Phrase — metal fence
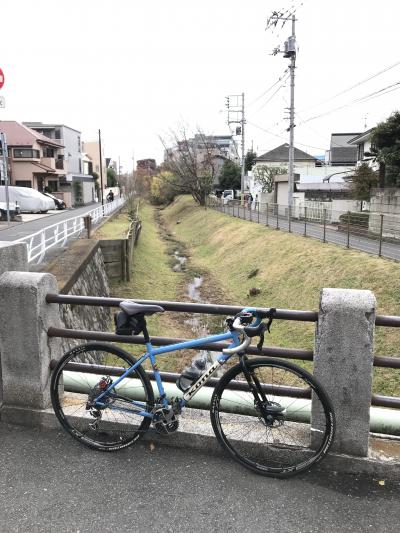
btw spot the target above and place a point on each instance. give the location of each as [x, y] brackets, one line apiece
[372, 232]
[281, 314]
[57, 235]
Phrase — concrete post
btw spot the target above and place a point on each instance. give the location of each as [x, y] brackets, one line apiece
[26, 350]
[343, 363]
[13, 256]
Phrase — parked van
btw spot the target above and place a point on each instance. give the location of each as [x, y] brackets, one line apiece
[229, 195]
[29, 200]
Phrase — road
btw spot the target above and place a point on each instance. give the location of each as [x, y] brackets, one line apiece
[51, 483]
[19, 230]
[316, 230]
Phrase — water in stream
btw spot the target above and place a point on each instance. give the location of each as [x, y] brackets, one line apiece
[197, 323]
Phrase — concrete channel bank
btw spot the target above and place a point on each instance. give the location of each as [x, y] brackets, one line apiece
[343, 359]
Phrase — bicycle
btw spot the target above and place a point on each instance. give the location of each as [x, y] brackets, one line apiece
[260, 408]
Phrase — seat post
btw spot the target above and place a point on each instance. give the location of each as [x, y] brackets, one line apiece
[145, 332]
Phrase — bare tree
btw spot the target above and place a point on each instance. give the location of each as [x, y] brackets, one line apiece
[192, 163]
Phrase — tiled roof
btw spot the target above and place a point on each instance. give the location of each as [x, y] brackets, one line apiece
[281, 154]
[20, 135]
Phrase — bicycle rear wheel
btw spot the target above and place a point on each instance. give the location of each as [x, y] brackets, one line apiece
[267, 426]
[76, 382]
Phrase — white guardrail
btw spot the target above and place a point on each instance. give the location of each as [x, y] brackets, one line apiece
[59, 234]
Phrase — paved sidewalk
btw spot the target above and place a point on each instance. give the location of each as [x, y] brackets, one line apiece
[50, 483]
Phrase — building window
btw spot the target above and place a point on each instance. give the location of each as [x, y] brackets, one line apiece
[52, 186]
[48, 152]
[26, 153]
[57, 134]
[23, 183]
[79, 143]
[80, 166]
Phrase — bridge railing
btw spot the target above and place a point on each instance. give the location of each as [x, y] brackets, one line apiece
[342, 358]
[57, 235]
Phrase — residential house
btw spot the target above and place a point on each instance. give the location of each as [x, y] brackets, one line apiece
[363, 145]
[342, 152]
[279, 157]
[33, 159]
[76, 186]
[147, 165]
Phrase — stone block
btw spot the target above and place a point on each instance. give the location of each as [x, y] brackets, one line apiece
[25, 347]
[343, 363]
[13, 256]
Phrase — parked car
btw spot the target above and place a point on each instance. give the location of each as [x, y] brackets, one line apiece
[29, 200]
[60, 204]
[13, 208]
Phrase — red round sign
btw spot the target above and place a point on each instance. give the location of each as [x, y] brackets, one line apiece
[1, 78]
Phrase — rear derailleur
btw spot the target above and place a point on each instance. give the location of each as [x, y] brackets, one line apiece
[91, 405]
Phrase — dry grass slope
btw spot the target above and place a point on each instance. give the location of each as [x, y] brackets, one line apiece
[291, 272]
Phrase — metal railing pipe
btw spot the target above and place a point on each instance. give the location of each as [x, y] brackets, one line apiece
[284, 353]
[184, 307]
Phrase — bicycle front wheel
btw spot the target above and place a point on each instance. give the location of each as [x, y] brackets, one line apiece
[264, 420]
[78, 380]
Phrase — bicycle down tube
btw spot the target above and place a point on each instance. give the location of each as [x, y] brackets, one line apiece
[152, 353]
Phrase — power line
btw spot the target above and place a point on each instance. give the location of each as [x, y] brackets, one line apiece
[267, 91]
[386, 69]
[272, 96]
[284, 138]
[364, 98]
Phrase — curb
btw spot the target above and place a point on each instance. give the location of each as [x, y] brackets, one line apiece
[195, 432]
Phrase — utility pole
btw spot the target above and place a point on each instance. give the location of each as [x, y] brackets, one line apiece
[236, 109]
[289, 52]
[4, 148]
[243, 157]
[101, 170]
[291, 118]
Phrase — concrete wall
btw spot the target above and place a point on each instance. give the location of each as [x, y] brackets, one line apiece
[81, 271]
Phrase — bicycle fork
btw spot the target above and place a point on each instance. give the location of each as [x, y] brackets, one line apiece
[270, 411]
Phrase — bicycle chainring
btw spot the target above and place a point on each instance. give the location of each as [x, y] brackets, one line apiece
[165, 421]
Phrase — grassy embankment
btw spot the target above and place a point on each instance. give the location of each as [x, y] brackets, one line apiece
[291, 272]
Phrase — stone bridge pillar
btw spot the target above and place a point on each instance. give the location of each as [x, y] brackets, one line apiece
[26, 350]
[343, 363]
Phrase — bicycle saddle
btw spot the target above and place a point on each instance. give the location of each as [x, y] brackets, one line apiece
[132, 308]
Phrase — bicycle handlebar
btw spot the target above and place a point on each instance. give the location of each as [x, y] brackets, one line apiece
[245, 344]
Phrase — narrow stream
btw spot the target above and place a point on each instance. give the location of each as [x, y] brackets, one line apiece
[197, 323]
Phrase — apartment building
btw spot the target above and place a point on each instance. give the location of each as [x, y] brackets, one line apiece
[76, 185]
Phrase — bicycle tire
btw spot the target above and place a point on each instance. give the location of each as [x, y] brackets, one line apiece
[70, 390]
[292, 445]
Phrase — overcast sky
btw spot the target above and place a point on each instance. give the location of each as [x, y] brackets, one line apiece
[136, 69]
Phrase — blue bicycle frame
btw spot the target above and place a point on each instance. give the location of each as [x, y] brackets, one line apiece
[152, 354]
